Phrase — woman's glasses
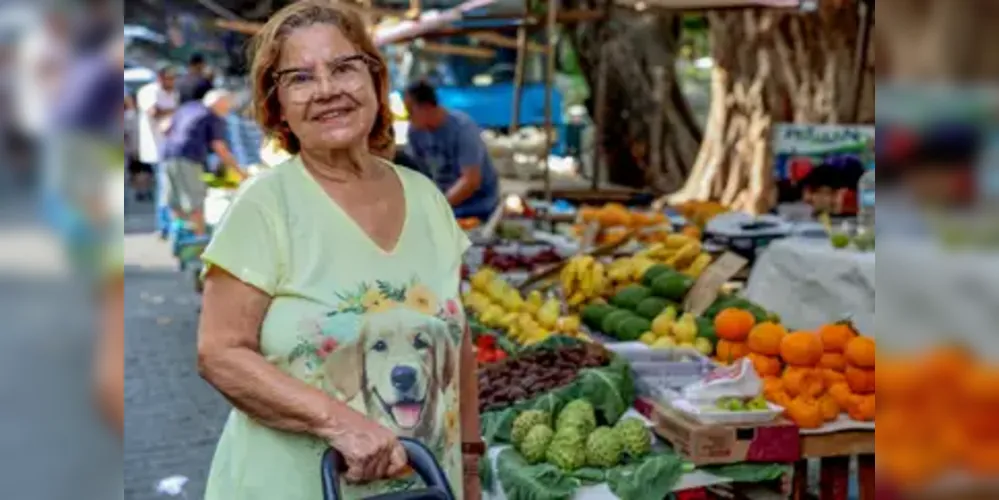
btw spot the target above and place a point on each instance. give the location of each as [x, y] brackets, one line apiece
[346, 74]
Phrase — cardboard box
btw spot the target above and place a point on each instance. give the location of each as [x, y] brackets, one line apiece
[702, 444]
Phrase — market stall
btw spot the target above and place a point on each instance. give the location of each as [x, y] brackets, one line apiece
[727, 392]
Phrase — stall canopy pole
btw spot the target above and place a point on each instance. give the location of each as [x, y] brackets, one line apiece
[519, 69]
[863, 51]
[549, 79]
[600, 99]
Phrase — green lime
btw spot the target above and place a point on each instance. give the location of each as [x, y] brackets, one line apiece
[839, 240]
[864, 242]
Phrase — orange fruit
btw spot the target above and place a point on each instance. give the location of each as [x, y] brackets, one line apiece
[765, 338]
[803, 381]
[729, 352]
[836, 336]
[833, 361]
[861, 352]
[766, 366]
[801, 349]
[734, 324]
[861, 381]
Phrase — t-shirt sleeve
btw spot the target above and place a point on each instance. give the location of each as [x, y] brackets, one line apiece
[471, 149]
[245, 244]
[216, 129]
[146, 99]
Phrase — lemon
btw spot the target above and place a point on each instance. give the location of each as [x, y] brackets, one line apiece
[664, 343]
[647, 338]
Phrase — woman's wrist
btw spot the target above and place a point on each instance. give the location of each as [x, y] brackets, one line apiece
[329, 420]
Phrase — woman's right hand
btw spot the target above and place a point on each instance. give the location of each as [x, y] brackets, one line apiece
[371, 451]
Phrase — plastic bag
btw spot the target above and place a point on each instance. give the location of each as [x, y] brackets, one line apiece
[738, 380]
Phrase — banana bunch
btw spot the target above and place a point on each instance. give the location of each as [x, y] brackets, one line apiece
[582, 279]
[497, 304]
[626, 271]
[681, 252]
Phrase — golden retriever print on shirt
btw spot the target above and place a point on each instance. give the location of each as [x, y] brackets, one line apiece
[391, 353]
[399, 368]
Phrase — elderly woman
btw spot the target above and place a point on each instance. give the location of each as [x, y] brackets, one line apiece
[331, 313]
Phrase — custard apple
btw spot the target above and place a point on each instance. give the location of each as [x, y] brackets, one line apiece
[580, 405]
[567, 450]
[634, 436]
[535, 444]
[525, 422]
[604, 448]
[578, 414]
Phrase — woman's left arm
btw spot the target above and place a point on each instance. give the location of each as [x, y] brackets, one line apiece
[470, 429]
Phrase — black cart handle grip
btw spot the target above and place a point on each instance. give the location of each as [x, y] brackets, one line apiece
[419, 458]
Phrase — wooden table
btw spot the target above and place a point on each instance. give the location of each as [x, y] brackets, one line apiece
[834, 452]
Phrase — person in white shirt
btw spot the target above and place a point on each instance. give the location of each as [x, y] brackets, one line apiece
[156, 102]
[42, 58]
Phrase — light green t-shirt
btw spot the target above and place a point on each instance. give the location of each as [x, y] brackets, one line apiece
[379, 330]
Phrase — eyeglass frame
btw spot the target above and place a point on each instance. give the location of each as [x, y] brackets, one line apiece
[374, 66]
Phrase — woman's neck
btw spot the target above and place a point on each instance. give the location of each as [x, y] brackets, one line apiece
[337, 165]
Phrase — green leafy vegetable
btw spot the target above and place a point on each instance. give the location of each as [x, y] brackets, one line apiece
[611, 390]
[651, 478]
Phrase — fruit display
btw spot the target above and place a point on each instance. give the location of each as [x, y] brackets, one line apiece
[582, 279]
[535, 373]
[576, 441]
[497, 304]
[617, 221]
[649, 312]
[815, 376]
[699, 213]
[497, 258]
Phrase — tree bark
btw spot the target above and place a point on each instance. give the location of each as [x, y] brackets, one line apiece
[771, 66]
[941, 42]
[645, 107]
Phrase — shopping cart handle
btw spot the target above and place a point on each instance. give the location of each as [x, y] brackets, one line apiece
[420, 459]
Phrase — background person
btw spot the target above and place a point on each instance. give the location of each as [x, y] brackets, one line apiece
[449, 145]
[157, 102]
[296, 330]
[195, 82]
[196, 131]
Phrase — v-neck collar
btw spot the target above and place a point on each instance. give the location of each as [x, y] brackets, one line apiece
[314, 184]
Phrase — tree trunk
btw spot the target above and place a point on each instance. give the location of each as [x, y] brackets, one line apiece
[940, 41]
[650, 136]
[771, 66]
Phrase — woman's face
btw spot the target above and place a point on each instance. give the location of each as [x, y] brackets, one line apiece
[325, 88]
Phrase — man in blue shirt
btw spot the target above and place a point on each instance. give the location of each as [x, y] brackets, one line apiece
[448, 144]
[197, 130]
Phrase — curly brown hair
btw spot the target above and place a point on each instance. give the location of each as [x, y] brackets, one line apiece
[265, 51]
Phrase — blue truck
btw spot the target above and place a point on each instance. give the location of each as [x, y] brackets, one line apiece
[483, 89]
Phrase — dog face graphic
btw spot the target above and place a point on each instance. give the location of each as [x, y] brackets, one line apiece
[401, 363]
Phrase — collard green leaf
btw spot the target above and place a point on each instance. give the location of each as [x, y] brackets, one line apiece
[611, 389]
[652, 478]
[523, 481]
[749, 472]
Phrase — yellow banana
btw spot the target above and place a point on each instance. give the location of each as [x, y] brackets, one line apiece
[677, 240]
[701, 262]
[685, 255]
[568, 276]
[598, 279]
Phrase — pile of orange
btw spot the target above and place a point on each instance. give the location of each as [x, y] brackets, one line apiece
[617, 221]
[699, 213]
[814, 376]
